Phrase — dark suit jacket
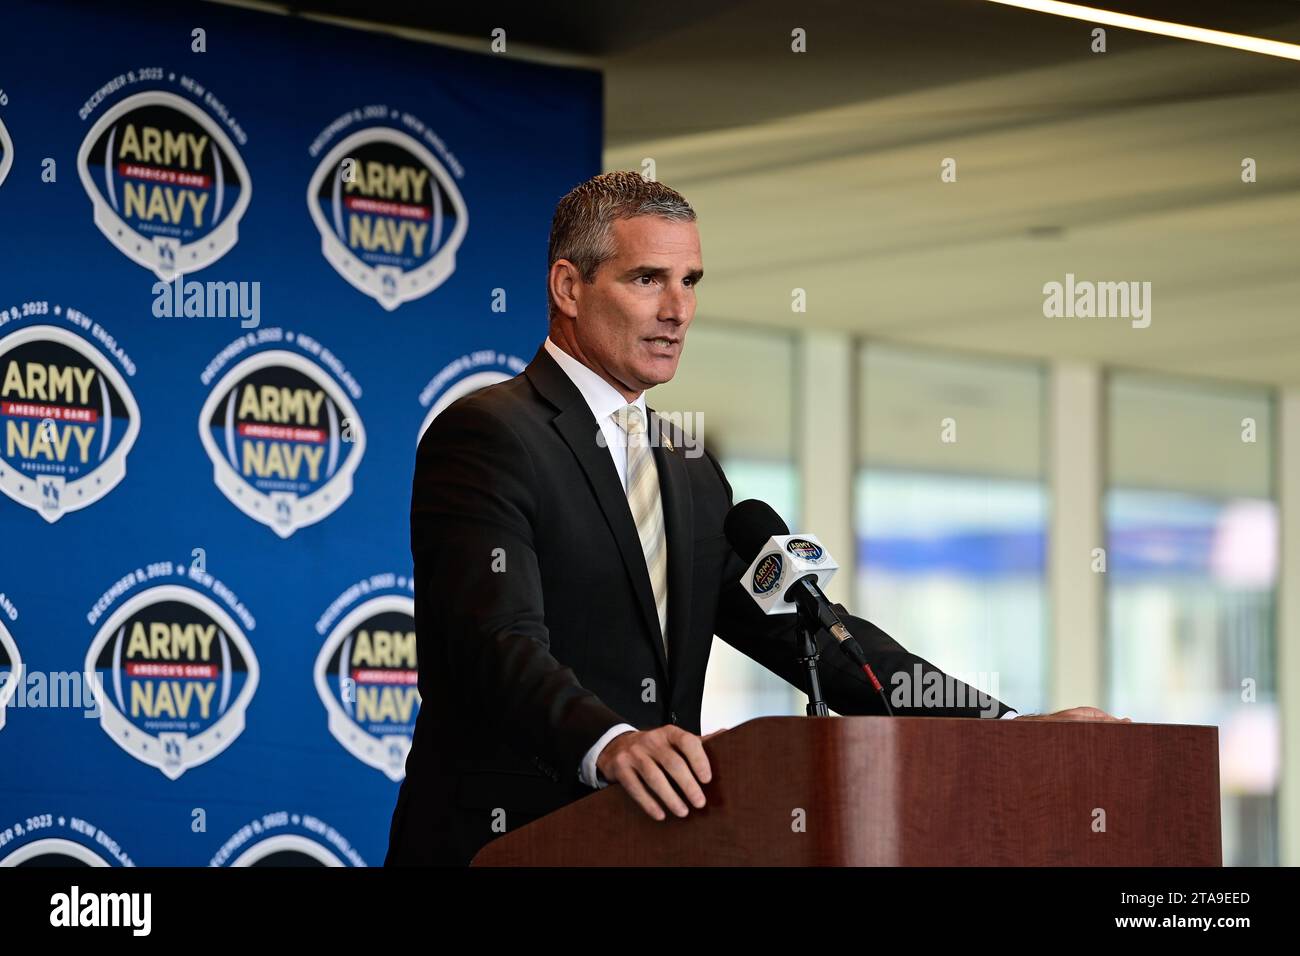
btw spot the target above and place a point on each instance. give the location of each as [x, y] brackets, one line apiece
[535, 621]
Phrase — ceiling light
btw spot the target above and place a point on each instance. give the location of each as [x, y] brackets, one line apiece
[1126, 21]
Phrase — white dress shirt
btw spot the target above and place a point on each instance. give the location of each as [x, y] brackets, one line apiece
[604, 401]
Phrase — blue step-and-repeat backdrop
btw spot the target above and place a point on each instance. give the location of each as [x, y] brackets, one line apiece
[244, 260]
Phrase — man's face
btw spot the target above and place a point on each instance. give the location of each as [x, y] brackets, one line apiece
[631, 321]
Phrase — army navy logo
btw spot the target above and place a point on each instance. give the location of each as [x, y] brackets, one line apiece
[167, 185]
[69, 421]
[366, 677]
[805, 550]
[768, 572]
[287, 849]
[6, 152]
[11, 671]
[45, 839]
[390, 216]
[54, 851]
[281, 838]
[173, 674]
[284, 440]
[476, 370]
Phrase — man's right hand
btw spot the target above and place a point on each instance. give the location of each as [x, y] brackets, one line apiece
[642, 761]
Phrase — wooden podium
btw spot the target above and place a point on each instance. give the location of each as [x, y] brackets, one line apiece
[909, 791]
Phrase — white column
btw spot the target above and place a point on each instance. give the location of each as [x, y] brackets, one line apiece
[1288, 635]
[1075, 435]
[825, 444]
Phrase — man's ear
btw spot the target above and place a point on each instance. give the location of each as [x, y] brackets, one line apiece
[561, 282]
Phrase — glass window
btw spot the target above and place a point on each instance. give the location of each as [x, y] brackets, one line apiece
[1191, 573]
[951, 515]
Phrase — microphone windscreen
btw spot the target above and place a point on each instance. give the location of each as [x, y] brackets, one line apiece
[749, 524]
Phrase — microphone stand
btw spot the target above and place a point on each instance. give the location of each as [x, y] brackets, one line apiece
[808, 657]
[807, 626]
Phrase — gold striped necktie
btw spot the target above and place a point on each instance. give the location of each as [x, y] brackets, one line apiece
[647, 508]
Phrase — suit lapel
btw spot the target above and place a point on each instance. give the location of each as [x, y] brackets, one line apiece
[579, 430]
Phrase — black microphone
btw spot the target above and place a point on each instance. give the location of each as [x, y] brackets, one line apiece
[751, 528]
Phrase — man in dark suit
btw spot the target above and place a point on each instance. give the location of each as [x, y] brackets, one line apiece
[570, 573]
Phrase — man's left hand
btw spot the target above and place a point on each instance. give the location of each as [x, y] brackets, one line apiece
[1076, 713]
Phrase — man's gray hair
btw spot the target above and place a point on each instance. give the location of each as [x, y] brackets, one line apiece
[581, 229]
